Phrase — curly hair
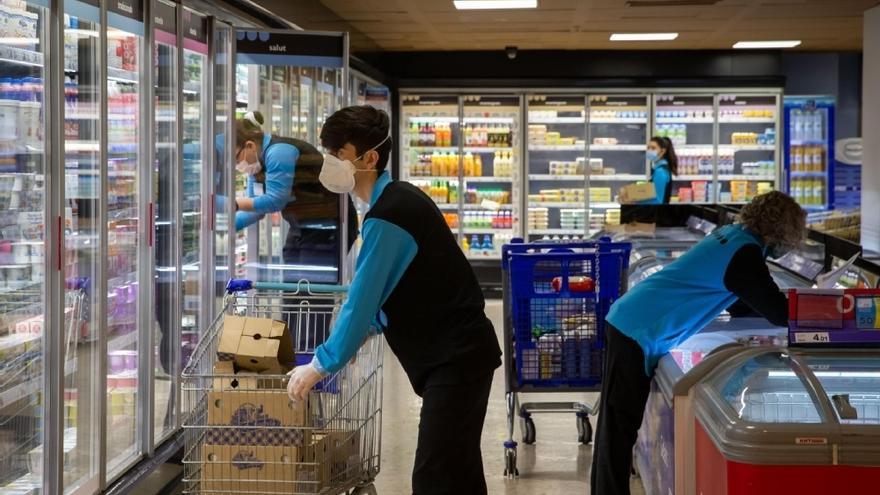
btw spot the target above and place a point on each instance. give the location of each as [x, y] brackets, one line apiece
[776, 218]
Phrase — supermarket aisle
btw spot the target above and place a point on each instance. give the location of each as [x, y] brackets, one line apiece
[555, 464]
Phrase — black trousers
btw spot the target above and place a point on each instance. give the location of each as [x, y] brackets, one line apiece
[448, 457]
[625, 389]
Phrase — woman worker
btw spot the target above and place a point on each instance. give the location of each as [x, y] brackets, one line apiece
[664, 164]
[677, 302]
[282, 176]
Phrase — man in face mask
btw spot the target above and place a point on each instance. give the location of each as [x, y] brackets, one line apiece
[414, 284]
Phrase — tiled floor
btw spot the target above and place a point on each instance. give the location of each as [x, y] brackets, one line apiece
[556, 464]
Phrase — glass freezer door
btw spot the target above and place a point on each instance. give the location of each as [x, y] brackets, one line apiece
[809, 150]
[747, 146]
[22, 228]
[83, 257]
[851, 382]
[224, 115]
[689, 122]
[164, 171]
[618, 137]
[491, 133]
[431, 149]
[124, 163]
[557, 167]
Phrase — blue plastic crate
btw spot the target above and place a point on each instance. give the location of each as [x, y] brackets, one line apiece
[558, 331]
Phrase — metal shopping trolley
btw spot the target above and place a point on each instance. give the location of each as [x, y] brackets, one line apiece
[556, 296]
[272, 445]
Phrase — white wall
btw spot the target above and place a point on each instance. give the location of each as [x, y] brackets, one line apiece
[871, 131]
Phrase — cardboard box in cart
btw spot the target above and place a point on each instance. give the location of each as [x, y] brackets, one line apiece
[332, 459]
[255, 434]
[256, 344]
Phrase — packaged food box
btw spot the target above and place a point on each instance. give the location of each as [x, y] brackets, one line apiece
[639, 192]
[256, 344]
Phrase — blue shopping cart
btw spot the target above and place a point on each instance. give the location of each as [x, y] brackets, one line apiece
[556, 296]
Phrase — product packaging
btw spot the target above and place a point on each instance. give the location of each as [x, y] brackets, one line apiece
[256, 344]
[639, 192]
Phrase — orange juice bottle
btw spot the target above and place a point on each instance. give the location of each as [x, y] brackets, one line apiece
[435, 164]
[478, 166]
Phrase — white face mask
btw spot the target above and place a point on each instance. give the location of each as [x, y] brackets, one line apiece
[338, 175]
[246, 167]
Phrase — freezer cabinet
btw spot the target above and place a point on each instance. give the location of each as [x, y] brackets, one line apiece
[664, 452]
[782, 421]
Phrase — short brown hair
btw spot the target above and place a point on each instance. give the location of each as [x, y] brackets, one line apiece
[248, 128]
[363, 127]
[776, 218]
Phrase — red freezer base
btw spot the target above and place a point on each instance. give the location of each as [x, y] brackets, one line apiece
[719, 476]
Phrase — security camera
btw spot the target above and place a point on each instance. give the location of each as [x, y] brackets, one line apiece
[511, 51]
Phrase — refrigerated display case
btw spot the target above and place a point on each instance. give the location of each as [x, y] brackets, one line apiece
[557, 167]
[489, 174]
[688, 120]
[809, 150]
[23, 206]
[304, 240]
[748, 156]
[165, 163]
[430, 150]
[617, 138]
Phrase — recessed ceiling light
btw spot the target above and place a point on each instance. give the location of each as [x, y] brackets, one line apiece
[767, 44]
[495, 4]
[643, 36]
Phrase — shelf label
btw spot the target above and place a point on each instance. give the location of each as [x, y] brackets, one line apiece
[289, 48]
[165, 17]
[811, 441]
[811, 337]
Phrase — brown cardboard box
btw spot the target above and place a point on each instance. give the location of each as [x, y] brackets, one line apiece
[333, 459]
[633, 229]
[226, 379]
[249, 469]
[638, 192]
[256, 344]
[255, 408]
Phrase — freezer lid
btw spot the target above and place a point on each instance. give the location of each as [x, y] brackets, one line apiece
[767, 405]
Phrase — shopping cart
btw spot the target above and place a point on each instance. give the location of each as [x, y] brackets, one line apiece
[334, 445]
[556, 296]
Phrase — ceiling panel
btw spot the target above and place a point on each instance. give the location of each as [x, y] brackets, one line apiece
[579, 24]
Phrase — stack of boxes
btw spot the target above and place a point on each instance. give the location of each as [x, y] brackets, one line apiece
[256, 438]
[572, 219]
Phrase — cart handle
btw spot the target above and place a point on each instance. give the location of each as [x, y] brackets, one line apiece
[243, 285]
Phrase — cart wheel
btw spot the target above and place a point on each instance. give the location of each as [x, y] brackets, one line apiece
[510, 469]
[585, 430]
[528, 431]
[364, 490]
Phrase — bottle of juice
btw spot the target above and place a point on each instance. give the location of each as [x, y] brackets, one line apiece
[465, 245]
[478, 166]
[468, 164]
[414, 134]
[435, 164]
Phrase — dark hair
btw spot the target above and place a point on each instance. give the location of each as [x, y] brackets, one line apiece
[671, 158]
[363, 127]
[245, 130]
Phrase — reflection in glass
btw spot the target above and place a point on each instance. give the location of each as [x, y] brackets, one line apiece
[22, 220]
[123, 141]
[222, 116]
[82, 254]
[765, 389]
[164, 177]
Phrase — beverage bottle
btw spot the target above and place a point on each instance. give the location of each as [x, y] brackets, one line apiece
[797, 158]
[484, 135]
[497, 166]
[414, 134]
[818, 159]
[478, 166]
[465, 245]
[488, 248]
[436, 135]
[475, 245]
[436, 164]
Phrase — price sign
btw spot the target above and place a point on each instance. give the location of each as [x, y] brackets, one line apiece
[811, 338]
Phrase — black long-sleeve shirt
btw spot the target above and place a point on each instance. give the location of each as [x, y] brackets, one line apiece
[748, 277]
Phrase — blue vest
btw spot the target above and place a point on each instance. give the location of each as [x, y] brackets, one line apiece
[668, 307]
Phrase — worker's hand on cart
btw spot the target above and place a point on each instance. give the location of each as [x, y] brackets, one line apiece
[302, 380]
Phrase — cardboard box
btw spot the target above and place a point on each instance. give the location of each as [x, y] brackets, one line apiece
[249, 409]
[256, 344]
[333, 459]
[249, 469]
[638, 192]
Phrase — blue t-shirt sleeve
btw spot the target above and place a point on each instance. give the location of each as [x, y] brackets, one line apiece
[280, 166]
[385, 255]
[660, 180]
[249, 190]
[244, 219]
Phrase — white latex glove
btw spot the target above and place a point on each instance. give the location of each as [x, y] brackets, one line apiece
[302, 380]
